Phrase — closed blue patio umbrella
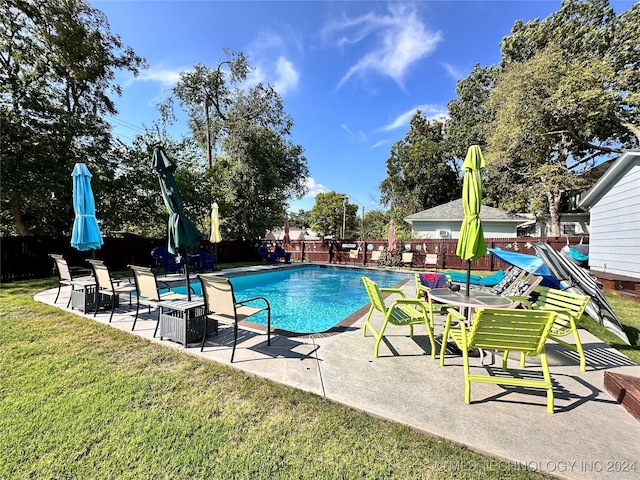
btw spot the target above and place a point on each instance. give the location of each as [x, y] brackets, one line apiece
[182, 235]
[86, 233]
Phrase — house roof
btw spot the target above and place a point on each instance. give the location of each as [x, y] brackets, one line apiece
[610, 177]
[453, 211]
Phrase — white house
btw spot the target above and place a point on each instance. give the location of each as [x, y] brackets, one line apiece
[614, 205]
[444, 221]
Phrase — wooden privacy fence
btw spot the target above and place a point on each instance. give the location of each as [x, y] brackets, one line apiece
[24, 258]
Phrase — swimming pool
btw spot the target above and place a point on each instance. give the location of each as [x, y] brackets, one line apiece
[309, 299]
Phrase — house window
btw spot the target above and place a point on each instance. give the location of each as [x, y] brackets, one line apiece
[568, 228]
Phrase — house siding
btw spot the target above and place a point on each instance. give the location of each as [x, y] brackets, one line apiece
[615, 226]
[431, 229]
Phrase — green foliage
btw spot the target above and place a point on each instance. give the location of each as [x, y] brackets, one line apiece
[301, 219]
[57, 68]
[330, 211]
[418, 174]
[376, 224]
[254, 168]
[469, 113]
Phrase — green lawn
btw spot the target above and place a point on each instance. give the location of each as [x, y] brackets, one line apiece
[79, 399]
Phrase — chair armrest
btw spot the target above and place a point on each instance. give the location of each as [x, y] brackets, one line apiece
[393, 290]
[452, 313]
[249, 300]
[410, 301]
[524, 300]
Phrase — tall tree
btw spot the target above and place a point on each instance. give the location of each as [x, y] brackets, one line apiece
[566, 97]
[245, 131]
[57, 64]
[470, 117]
[418, 174]
[331, 211]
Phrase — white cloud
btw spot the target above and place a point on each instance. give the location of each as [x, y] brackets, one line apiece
[379, 143]
[166, 77]
[430, 112]
[399, 40]
[453, 72]
[287, 76]
[314, 188]
[269, 54]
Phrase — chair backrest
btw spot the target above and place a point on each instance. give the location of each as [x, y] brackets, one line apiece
[510, 329]
[353, 253]
[218, 294]
[62, 266]
[146, 284]
[562, 301]
[407, 257]
[512, 274]
[101, 274]
[431, 259]
[375, 255]
[375, 295]
[523, 287]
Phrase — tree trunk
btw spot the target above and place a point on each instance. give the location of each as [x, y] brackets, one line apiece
[18, 220]
[554, 212]
[633, 129]
[207, 127]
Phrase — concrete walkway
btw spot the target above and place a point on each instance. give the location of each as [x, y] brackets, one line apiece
[589, 436]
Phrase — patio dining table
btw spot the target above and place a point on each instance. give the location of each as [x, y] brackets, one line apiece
[476, 298]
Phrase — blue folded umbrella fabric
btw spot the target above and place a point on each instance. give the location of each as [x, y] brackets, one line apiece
[529, 263]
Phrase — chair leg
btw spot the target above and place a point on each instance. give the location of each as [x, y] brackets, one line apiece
[547, 379]
[157, 323]
[583, 361]
[136, 317]
[269, 327]
[58, 294]
[235, 339]
[113, 306]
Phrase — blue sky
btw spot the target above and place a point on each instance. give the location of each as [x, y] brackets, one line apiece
[351, 73]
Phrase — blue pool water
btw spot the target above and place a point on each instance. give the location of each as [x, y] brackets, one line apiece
[309, 299]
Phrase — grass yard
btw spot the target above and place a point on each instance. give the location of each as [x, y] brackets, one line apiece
[79, 399]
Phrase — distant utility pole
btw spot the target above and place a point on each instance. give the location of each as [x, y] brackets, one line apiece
[344, 215]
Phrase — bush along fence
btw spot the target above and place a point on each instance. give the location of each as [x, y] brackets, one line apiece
[24, 258]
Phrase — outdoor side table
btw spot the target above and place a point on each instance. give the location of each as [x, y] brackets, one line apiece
[84, 296]
[182, 321]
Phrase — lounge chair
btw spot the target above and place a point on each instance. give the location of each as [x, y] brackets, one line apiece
[375, 255]
[518, 330]
[407, 259]
[221, 306]
[67, 274]
[148, 292]
[170, 262]
[402, 312]
[353, 255]
[105, 285]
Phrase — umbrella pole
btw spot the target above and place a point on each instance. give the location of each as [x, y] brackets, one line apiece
[186, 271]
[468, 276]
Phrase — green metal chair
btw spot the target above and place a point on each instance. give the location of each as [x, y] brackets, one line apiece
[402, 312]
[507, 330]
[569, 307]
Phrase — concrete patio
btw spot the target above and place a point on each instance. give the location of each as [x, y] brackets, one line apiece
[589, 436]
